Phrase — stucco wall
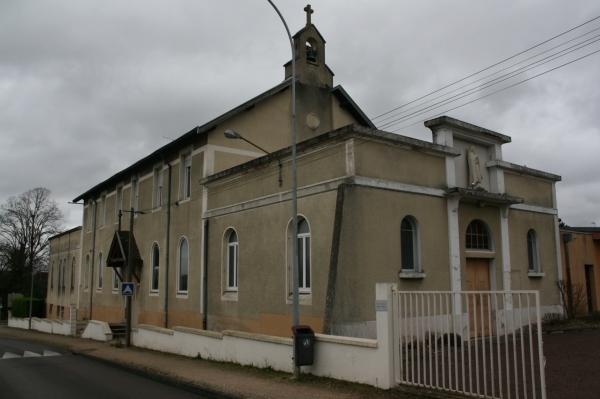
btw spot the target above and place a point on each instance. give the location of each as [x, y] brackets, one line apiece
[533, 191]
[370, 248]
[387, 162]
[519, 224]
[262, 297]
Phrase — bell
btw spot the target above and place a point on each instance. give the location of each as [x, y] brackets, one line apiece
[311, 55]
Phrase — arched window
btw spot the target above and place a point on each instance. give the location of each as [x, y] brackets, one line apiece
[73, 274]
[182, 282]
[232, 262]
[115, 285]
[100, 270]
[303, 256]
[155, 268]
[477, 237]
[409, 244]
[59, 274]
[533, 251]
[87, 270]
[52, 276]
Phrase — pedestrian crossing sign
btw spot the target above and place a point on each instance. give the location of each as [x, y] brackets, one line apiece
[127, 289]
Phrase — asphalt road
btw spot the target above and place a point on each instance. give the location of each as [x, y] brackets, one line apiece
[29, 370]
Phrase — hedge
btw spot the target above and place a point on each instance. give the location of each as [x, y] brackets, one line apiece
[20, 307]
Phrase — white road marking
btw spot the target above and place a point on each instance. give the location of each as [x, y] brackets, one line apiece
[50, 353]
[31, 354]
[8, 355]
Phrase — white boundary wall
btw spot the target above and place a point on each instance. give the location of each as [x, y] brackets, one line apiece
[60, 327]
[351, 359]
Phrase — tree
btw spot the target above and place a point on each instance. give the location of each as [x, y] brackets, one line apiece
[26, 224]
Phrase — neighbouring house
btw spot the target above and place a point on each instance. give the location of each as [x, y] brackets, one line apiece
[63, 274]
[212, 236]
[583, 246]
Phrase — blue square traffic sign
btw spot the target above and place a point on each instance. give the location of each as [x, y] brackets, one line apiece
[127, 289]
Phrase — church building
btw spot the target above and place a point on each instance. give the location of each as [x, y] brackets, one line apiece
[212, 228]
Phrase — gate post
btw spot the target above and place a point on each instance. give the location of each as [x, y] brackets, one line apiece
[384, 309]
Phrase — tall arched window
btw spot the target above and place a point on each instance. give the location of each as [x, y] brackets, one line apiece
[303, 256]
[52, 276]
[155, 268]
[232, 262]
[115, 285]
[533, 251]
[477, 237]
[182, 283]
[59, 274]
[87, 270]
[100, 270]
[409, 244]
[73, 274]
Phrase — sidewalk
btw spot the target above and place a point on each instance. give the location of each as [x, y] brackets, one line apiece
[229, 379]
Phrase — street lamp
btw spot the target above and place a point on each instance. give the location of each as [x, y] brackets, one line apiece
[230, 134]
[296, 302]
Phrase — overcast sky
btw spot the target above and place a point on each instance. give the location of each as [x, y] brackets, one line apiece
[89, 87]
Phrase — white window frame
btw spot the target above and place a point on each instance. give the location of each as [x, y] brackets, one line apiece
[155, 264]
[115, 282]
[303, 237]
[235, 260]
[118, 202]
[537, 266]
[87, 271]
[90, 210]
[416, 244]
[135, 192]
[179, 275]
[102, 210]
[73, 264]
[158, 187]
[187, 176]
[100, 272]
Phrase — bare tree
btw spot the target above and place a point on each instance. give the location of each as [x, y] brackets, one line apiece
[573, 297]
[26, 224]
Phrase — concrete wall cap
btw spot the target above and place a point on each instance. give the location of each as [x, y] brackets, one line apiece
[155, 329]
[105, 327]
[336, 339]
[259, 337]
[206, 333]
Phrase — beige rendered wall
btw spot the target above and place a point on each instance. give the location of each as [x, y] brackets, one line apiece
[370, 248]
[64, 248]
[186, 221]
[583, 250]
[339, 116]
[387, 162]
[533, 191]
[520, 222]
[262, 304]
[312, 167]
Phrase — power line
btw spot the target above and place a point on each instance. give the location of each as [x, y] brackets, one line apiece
[485, 69]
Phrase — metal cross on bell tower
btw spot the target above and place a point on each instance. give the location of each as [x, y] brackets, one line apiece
[308, 12]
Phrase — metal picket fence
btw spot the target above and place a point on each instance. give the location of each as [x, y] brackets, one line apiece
[477, 343]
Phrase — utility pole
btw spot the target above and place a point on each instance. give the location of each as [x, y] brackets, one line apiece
[128, 274]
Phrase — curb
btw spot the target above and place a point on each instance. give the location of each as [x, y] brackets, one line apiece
[172, 382]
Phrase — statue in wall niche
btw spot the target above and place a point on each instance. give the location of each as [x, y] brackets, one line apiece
[475, 177]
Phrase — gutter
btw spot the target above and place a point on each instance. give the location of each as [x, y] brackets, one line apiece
[166, 306]
[205, 276]
[93, 257]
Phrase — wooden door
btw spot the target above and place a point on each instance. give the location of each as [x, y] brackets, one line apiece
[478, 279]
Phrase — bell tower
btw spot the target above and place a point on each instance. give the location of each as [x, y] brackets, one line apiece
[309, 51]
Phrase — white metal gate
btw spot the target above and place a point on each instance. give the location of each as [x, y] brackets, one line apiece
[477, 343]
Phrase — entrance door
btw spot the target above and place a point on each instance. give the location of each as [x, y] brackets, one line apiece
[478, 279]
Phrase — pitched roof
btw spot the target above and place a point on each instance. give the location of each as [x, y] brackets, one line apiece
[187, 138]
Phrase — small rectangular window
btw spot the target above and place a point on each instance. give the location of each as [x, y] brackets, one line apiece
[158, 185]
[118, 203]
[102, 210]
[135, 192]
[187, 178]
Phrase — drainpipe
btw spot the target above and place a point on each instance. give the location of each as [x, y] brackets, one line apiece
[165, 317]
[205, 275]
[93, 257]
